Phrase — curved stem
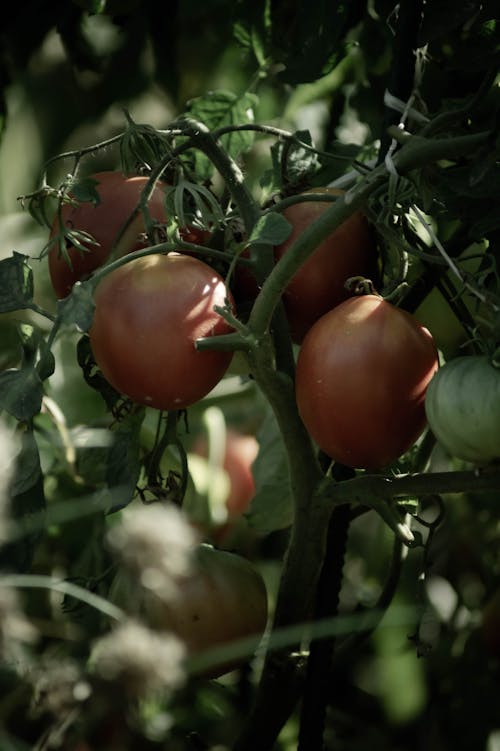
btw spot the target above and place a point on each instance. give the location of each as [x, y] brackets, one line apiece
[39, 581]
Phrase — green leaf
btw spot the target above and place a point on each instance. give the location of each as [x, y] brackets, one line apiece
[219, 109]
[270, 229]
[271, 508]
[84, 189]
[251, 38]
[123, 463]
[16, 283]
[21, 392]
[93, 375]
[293, 163]
[78, 308]
[46, 363]
[309, 37]
[27, 507]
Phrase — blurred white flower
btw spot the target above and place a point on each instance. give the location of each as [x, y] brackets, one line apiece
[155, 543]
[140, 660]
[15, 628]
[59, 686]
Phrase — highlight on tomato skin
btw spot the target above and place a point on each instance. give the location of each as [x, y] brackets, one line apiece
[319, 285]
[119, 197]
[362, 374]
[148, 315]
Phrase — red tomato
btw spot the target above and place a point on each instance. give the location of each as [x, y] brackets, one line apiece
[362, 374]
[119, 196]
[318, 286]
[148, 315]
[223, 599]
[241, 451]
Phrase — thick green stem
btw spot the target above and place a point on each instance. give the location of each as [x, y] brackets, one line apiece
[233, 177]
[368, 489]
[281, 680]
[280, 683]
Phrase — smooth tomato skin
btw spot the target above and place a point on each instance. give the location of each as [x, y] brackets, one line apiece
[240, 452]
[362, 373]
[463, 408]
[119, 196]
[319, 285]
[148, 315]
[222, 600]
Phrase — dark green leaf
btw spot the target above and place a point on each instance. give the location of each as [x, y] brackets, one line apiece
[46, 363]
[16, 283]
[123, 463]
[21, 392]
[93, 375]
[271, 508]
[85, 189]
[27, 507]
[309, 37]
[294, 164]
[78, 308]
[219, 109]
[270, 229]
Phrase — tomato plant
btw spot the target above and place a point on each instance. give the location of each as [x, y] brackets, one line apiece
[398, 107]
[109, 221]
[319, 285]
[463, 408]
[148, 315]
[362, 373]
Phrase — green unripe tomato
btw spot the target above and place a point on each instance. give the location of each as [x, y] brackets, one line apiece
[463, 408]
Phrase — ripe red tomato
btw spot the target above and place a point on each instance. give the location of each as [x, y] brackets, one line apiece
[148, 315]
[223, 599]
[119, 196]
[240, 453]
[362, 374]
[318, 286]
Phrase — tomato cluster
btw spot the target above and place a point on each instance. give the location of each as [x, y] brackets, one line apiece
[363, 366]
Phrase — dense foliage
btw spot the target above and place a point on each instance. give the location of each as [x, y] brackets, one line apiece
[249, 375]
